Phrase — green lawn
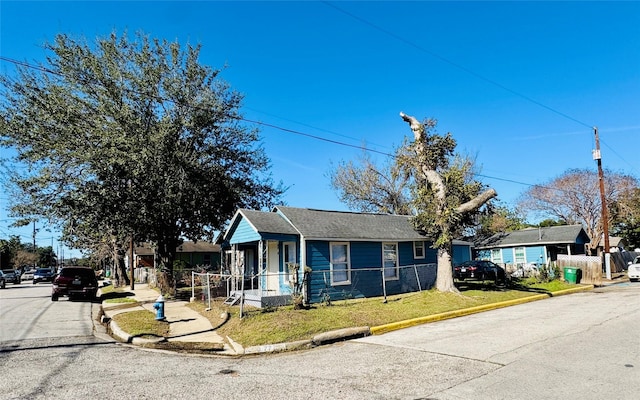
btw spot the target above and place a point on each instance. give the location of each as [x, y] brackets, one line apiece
[259, 327]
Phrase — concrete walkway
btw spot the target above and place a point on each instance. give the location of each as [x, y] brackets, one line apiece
[185, 324]
[189, 326]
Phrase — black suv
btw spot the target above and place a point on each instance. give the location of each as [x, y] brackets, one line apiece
[11, 275]
[75, 282]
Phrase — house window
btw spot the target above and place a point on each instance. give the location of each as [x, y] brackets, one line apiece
[519, 255]
[418, 250]
[206, 259]
[289, 258]
[390, 260]
[496, 255]
[340, 263]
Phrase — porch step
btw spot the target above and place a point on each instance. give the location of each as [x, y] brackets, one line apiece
[233, 299]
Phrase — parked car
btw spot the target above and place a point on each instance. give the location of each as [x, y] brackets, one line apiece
[633, 272]
[27, 275]
[481, 270]
[75, 282]
[3, 282]
[43, 275]
[11, 276]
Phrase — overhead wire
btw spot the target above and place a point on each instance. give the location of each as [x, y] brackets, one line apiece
[273, 126]
[454, 64]
[363, 147]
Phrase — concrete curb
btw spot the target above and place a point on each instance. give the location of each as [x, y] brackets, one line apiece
[124, 337]
[572, 290]
[377, 330]
[118, 333]
[278, 347]
[351, 333]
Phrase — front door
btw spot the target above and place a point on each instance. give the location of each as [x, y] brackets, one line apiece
[273, 270]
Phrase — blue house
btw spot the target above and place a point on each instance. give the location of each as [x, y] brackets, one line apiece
[533, 245]
[347, 254]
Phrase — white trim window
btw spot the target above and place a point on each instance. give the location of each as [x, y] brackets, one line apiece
[390, 260]
[418, 250]
[496, 256]
[519, 255]
[340, 263]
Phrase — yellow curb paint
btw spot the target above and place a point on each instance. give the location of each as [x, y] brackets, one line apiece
[572, 290]
[377, 330]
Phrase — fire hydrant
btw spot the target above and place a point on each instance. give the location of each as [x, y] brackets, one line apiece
[159, 306]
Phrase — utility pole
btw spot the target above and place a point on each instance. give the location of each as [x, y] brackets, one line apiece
[603, 201]
[131, 263]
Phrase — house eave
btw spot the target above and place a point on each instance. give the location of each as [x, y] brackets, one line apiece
[526, 244]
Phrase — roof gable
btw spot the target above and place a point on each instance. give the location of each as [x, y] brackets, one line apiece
[259, 222]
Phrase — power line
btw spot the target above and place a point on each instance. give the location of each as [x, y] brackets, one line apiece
[162, 99]
[320, 138]
[312, 127]
[315, 137]
[454, 64]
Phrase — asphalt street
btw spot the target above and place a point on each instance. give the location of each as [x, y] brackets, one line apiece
[579, 346]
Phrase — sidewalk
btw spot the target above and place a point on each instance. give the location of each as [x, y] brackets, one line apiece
[185, 324]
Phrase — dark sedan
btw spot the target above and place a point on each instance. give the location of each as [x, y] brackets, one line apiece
[480, 270]
[43, 275]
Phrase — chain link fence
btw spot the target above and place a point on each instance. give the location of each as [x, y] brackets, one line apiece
[278, 289]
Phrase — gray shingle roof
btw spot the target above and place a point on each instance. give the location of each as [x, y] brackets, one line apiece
[322, 224]
[533, 236]
[268, 222]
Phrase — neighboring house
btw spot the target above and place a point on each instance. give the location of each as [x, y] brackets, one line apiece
[533, 245]
[191, 253]
[615, 244]
[347, 254]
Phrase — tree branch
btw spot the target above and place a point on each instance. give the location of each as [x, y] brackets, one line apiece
[477, 201]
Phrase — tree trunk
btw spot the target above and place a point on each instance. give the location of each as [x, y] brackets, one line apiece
[120, 270]
[444, 279]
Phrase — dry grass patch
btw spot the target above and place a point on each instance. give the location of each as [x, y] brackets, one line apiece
[141, 323]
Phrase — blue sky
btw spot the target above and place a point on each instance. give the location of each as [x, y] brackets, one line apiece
[518, 84]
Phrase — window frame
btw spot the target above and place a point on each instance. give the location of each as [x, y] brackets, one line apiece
[396, 268]
[523, 260]
[346, 263]
[420, 246]
[498, 259]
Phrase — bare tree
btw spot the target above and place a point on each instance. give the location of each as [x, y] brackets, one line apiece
[574, 197]
[447, 196]
[365, 187]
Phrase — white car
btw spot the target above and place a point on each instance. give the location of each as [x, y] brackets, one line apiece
[27, 275]
[633, 272]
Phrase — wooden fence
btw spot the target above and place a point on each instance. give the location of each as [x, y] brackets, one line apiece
[590, 267]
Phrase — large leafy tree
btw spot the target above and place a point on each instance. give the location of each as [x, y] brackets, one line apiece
[446, 196]
[130, 139]
[574, 197]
